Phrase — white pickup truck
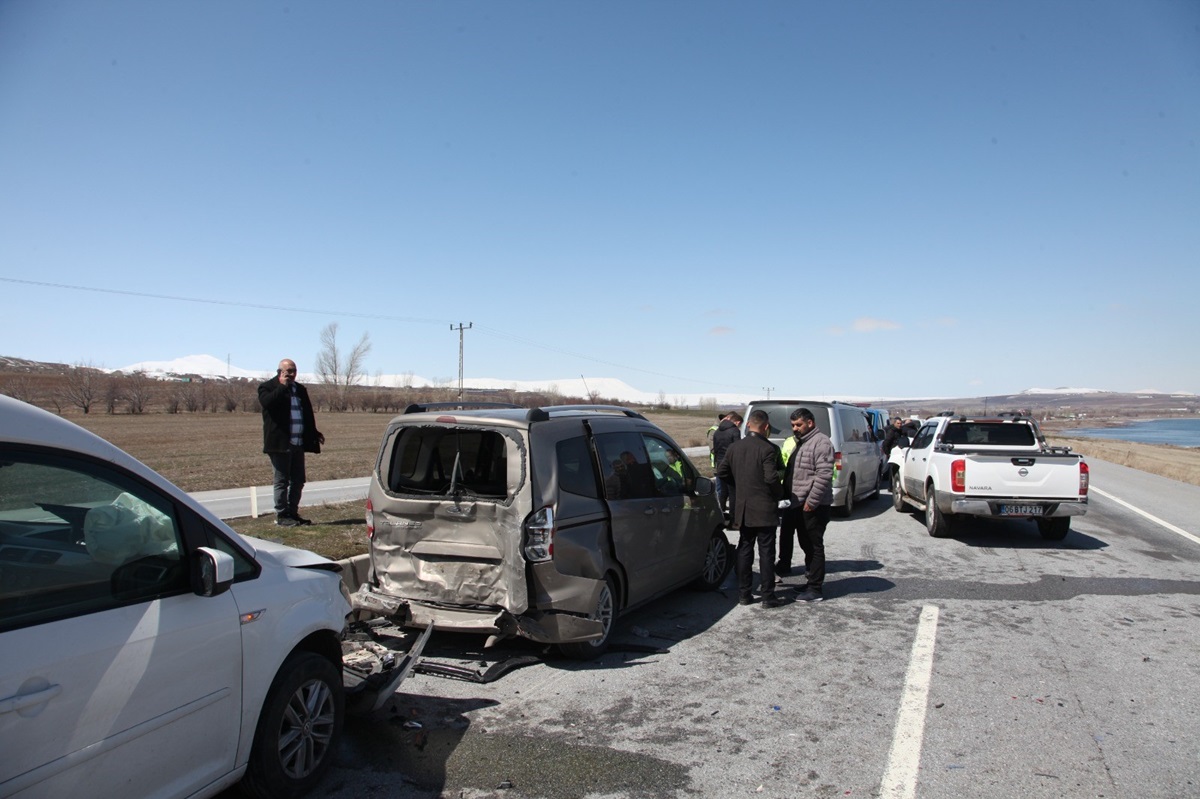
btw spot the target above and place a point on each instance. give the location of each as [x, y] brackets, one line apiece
[1002, 467]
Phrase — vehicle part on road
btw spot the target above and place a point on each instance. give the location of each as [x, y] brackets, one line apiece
[935, 521]
[718, 561]
[897, 494]
[1054, 529]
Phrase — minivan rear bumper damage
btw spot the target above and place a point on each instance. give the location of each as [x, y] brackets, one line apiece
[550, 627]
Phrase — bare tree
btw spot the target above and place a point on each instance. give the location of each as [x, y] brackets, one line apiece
[21, 387]
[139, 391]
[337, 369]
[83, 386]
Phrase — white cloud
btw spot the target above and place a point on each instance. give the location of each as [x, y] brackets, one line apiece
[720, 330]
[866, 324]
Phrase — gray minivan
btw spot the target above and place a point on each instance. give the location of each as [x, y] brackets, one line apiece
[856, 469]
[544, 523]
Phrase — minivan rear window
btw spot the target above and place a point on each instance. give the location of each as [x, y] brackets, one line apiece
[424, 462]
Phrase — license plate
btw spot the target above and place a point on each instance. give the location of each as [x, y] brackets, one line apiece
[1021, 510]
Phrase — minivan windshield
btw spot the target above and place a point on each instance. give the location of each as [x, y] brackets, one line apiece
[779, 415]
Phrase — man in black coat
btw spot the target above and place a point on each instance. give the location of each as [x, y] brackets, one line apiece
[728, 431]
[752, 466]
[289, 431]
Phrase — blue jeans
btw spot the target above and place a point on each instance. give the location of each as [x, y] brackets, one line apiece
[289, 480]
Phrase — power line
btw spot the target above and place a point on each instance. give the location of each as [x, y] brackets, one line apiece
[360, 315]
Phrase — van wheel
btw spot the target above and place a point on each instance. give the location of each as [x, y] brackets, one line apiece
[935, 521]
[848, 505]
[1054, 529]
[898, 495]
[718, 560]
[878, 484]
[298, 729]
[606, 612]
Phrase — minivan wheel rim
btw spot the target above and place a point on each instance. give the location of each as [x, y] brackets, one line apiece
[306, 729]
[714, 560]
[604, 613]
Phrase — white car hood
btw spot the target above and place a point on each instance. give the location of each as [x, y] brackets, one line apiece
[287, 556]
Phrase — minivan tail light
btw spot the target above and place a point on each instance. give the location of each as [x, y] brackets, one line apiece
[837, 466]
[539, 535]
[370, 520]
[958, 475]
[1084, 478]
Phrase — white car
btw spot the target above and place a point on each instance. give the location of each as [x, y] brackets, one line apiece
[145, 648]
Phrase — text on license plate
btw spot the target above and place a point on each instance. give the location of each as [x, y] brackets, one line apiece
[1021, 510]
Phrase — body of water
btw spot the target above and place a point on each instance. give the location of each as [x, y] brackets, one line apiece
[1180, 432]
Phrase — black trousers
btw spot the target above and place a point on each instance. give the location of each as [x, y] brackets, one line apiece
[811, 534]
[764, 538]
[289, 479]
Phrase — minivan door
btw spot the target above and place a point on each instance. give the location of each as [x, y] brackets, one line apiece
[642, 541]
[448, 515]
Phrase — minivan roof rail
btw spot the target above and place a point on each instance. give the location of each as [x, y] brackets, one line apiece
[456, 406]
[614, 409]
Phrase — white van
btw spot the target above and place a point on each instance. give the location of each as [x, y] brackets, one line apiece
[856, 472]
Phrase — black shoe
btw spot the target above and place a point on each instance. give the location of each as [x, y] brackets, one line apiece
[771, 601]
[782, 570]
[746, 599]
[283, 520]
[810, 594]
[300, 520]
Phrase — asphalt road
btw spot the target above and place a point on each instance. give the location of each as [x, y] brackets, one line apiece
[988, 664]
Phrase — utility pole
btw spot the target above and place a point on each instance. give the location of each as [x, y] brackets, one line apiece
[768, 389]
[460, 330]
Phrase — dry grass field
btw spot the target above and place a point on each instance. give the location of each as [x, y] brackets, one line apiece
[206, 451]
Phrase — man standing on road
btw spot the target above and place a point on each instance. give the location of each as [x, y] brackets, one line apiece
[751, 469]
[810, 469]
[728, 431]
[289, 431]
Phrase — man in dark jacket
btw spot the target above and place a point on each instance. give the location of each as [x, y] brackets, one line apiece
[728, 431]
[751, 467]
[289, 431]
[896, 436]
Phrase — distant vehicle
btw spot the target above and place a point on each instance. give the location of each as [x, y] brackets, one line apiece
[146, 649]
[857, 454]
[994, 467]
[544, 524]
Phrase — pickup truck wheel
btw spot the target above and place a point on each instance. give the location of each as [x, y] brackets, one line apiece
[848, 506]
[935, 521]
[606, 612]
[897, 494]
[718, 560]
[298, 729]
[1054, 529]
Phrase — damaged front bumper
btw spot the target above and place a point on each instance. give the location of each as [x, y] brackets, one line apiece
[376, 661]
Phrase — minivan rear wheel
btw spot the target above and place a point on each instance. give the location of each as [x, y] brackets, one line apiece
[848, 507]
[606, 612]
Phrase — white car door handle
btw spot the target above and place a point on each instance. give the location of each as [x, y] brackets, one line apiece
[17, 703]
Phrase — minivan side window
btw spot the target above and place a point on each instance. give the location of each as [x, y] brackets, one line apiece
[673, 474]
[77, 537]
[625, 466]
[576, 471]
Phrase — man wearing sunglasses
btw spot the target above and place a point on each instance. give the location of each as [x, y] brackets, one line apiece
[289, 431]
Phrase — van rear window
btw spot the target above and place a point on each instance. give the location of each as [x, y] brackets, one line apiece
[448, 461]
[1003, 434]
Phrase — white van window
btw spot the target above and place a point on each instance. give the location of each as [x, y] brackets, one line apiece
[77, 538]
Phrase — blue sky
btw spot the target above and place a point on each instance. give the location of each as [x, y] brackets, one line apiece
[860, 198]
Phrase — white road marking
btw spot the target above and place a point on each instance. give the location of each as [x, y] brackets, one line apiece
[1140, 512]
[904, 761]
